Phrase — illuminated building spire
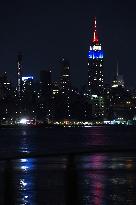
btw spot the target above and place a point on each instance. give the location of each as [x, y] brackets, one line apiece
[95, 36]
[95, 65]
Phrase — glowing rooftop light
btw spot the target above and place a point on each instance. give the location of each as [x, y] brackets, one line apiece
[95, 54]
[95, 36]
[27, 78]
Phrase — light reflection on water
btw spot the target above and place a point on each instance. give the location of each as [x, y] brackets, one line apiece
[24, 181]
[39, 181]
[107, 179]
[24, 145]
[102, 180]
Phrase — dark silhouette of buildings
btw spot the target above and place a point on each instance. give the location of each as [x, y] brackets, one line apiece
[44, 98]
[118, 79]
[62, 93]
[65, 82]
[46, 101]
[19, 75]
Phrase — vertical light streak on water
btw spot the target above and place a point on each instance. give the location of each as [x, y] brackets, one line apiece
[97, 179]
[24, 146]
[92, 179]
[24, 181]
[24, 173]
[39, 181]
[107, 179]
[121, 180]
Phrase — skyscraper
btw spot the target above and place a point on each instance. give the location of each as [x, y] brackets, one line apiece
[27, 96]
[19, 75]
[118, 79]
[45, 95]
[27, 84]
[95, 65]
[45, 84]
[65, 85]
[64, 75]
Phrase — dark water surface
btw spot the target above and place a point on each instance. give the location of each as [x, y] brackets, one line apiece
[68, 166]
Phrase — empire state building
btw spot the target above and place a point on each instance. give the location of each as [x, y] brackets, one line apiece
[95, 65]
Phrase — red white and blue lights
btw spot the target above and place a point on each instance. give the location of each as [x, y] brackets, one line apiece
[95, 51]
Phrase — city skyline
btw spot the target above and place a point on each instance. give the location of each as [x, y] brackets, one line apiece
[68, 102]
[44, 32]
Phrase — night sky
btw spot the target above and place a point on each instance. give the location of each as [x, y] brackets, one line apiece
[44, 31]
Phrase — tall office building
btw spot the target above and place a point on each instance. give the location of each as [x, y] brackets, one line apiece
[27, 84]
[65, 85]
[27, 96]
[95, 65]
[65, 75]
[19, 75]
[45, 95]
[45, 83]
[45, 77]
[118, 79]
[5, 86]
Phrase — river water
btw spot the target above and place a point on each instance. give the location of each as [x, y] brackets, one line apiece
[68, 166]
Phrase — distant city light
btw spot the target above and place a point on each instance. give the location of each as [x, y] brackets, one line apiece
[22, 182]
[27, 78]
[23, 121]
[23, 160]
[45, 102]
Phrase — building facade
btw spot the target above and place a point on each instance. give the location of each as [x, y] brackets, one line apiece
[44, 103]
[95, 65]
[65, 88]
[19, 75]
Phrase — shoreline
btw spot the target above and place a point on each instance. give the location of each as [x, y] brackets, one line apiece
[65, 126]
